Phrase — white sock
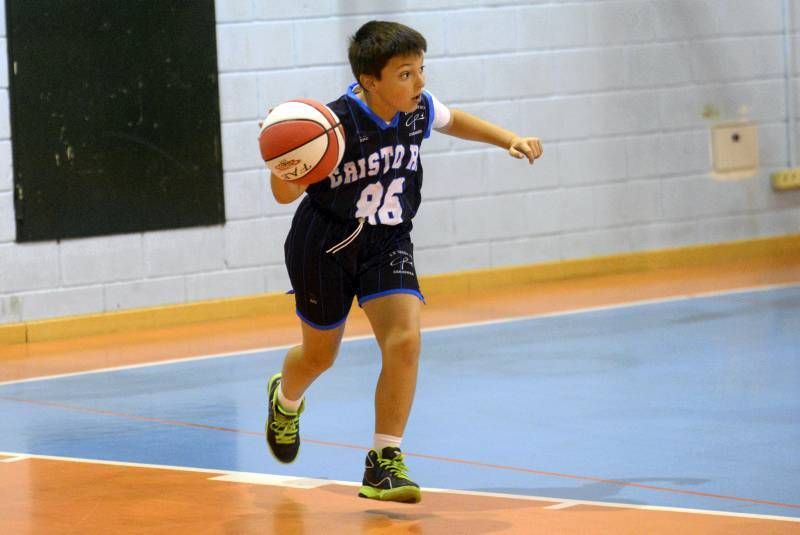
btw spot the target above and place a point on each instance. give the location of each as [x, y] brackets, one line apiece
[382, 441]
[291, 405]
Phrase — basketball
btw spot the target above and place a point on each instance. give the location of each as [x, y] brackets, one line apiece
[301, 141]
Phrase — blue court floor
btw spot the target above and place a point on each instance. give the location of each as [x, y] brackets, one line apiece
[684, 403]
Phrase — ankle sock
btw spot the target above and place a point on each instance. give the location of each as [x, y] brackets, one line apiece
[382, 441]
[289, 405]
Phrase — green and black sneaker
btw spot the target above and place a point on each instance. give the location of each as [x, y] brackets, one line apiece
[283, 427]
[385, 478]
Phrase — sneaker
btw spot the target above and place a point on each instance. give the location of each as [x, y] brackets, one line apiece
[385, 478]
[282, 426]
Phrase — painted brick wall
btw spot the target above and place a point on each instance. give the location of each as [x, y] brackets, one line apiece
[616, 89]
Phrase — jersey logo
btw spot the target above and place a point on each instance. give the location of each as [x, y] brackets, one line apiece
[412, 121]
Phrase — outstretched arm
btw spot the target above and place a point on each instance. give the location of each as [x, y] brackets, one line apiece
[468, 126]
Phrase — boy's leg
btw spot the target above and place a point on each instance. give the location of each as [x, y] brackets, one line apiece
[395, 322]
[302, 365]
[323, 297]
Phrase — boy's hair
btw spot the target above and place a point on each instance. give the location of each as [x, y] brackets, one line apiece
[377, 41]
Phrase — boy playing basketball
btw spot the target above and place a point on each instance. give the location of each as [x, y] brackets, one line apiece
[350, 236]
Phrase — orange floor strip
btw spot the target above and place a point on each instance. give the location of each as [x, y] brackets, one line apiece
[77, 497]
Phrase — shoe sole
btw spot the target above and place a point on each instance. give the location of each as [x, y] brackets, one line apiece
[406, 494]
[271, 382]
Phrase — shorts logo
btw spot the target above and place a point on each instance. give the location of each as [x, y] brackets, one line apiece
[402, 263]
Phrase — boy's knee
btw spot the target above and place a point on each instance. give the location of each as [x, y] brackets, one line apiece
[403, 347]
[318, 358]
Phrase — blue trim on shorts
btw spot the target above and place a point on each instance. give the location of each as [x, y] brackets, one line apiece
[370, 297]
[317, 325]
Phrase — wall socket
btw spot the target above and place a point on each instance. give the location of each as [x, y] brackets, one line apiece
[734, 149]
[786, 179]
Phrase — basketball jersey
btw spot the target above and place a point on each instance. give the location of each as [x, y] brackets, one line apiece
[380, 175]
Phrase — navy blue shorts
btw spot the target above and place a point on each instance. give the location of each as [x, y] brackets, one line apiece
[378, 262]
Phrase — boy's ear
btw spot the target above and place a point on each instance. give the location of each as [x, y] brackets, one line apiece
[367, 82]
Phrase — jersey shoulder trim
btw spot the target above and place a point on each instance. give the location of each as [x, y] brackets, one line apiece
[431, 113]
[380, 123]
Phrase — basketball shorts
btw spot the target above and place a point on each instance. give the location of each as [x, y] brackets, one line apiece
[378, 262]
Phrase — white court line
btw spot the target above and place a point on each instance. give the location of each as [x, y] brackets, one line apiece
[256, 478]
[280, 481]
[15, 459]
[628, 304]
[562, 505]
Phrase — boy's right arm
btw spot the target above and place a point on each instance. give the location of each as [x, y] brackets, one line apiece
[285, 192]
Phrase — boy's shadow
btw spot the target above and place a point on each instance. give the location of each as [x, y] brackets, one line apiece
[600, 491]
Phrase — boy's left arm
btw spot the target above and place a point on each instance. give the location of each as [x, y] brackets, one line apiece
[467, 126]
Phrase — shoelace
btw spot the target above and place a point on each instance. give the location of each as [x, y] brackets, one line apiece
[285, 428]
[396, 466]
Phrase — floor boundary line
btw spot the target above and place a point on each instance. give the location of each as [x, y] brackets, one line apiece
[235, 473]
[546, 473]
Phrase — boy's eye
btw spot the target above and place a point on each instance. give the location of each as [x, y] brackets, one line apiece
[404, 75]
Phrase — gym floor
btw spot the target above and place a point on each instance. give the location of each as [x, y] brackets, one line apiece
[653, 402]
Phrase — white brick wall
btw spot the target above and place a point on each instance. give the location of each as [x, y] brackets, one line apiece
[255, 242]
[246, 195]
[222, 284]
[6, 217]
[104, 259]
[596, 242]
[524, 251]
[61, 302]
[5, 120]
[193, 250]
[616, 89]
[619, 22]
[3, 64]
[29, 267]
[145, 293]
[6, 171]
[254, 46]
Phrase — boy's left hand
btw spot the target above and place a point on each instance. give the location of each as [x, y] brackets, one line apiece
[526, 147]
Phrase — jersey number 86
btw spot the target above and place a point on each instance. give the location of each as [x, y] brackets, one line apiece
[380, 208]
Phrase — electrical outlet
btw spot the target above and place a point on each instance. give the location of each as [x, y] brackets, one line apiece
[786, 179]
[734, 148]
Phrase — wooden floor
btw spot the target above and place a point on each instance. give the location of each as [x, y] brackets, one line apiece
[50, 495]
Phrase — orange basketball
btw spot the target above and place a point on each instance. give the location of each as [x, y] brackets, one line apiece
[301, 141]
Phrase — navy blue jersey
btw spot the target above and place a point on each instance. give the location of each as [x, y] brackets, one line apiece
[380, 175]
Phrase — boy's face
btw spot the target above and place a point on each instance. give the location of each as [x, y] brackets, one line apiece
[400, 86]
